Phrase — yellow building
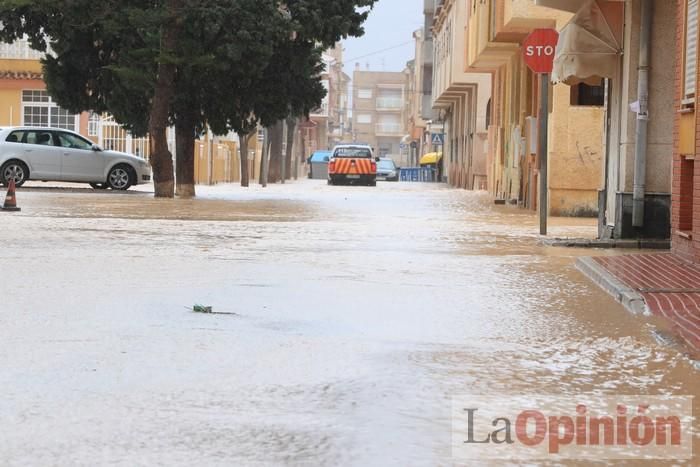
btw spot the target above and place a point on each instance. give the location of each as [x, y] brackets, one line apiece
[24, 101]
[495, 32]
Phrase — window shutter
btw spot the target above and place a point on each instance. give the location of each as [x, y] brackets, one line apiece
[691, 48]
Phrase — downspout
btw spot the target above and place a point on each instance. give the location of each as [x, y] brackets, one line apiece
[640, 153]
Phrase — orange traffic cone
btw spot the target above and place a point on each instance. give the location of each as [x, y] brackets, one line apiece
[11, 199]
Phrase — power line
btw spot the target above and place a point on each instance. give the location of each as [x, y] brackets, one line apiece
[380, 51]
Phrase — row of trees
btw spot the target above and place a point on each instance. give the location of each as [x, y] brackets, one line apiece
[226, 65]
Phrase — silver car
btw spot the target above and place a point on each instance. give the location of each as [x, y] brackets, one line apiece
[51, 154]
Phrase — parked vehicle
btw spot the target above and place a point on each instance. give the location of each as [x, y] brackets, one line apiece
[51, 154]
[387, 170]
[318, 164]
[352, 164]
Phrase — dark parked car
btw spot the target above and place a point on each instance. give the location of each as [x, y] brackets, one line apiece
[387, 170]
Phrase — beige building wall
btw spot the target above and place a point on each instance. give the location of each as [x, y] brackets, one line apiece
[576, 156]
[379, 105]
[461, 96]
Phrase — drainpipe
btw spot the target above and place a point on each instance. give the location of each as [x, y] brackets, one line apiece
[640, 153]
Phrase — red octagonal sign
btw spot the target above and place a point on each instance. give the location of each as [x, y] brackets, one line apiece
[539, 48]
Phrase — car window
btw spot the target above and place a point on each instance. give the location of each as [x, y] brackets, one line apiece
[68, 140]
[15, 137]
[44, 138]
[352, 152]
[384, 164]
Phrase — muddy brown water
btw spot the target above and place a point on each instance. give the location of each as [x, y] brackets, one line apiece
[360, 313]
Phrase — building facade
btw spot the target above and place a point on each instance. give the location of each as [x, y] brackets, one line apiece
[685, 235]
[24, 101]
[416, 123]
[328, 125]
[633, 40]
[461, 99]
[378, 111]
[496, 31]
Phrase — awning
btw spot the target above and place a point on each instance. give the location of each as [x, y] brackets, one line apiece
[431, 158]
[565, 5]
[589, 48]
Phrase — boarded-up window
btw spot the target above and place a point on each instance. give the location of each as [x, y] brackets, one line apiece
[691, 49]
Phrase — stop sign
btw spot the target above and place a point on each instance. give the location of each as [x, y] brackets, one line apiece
[539, 48]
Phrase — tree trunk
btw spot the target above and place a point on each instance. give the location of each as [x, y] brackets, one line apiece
[245, 176]
[276, 136]
[265, 158]
[161, 158]
[291, 130]
[302, 150]
[184, 158]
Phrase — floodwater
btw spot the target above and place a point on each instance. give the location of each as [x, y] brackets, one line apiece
[359, 314]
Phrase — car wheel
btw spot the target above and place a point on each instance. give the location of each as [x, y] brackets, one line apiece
[99, 186]
[120, 178]
[14, 170]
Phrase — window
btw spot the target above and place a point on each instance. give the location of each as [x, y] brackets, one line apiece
[16, 137]
[488, 115]
[43, 138]
[690, 53]
[364, 94]
[353, 151]
[364, 118]
[67, 140]
[93, 124]
[386, 164]
[585, 95]
[38, 109]
[685, 217]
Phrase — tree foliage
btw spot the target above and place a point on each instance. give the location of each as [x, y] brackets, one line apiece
[234, 63]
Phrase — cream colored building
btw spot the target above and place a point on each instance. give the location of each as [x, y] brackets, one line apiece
[378, 111]
[461, 98]
[496, 30]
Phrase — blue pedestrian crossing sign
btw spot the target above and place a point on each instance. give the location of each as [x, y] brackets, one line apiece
[438, 139]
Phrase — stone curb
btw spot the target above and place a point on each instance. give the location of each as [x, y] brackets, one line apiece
[626, 244]
[628, 297]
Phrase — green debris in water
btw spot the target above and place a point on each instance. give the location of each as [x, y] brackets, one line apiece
[202, 309]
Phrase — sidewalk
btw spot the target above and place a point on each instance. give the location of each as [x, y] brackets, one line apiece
[662, 284]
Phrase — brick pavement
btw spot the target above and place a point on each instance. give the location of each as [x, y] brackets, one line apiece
[670, 287]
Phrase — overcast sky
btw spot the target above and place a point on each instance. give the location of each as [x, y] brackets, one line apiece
[390, 23]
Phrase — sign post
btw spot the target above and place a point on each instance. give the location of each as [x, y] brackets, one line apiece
[538, 51]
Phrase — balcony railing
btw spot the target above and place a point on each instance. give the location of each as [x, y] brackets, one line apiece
[321, 111]
[389, 103]
[389, 129]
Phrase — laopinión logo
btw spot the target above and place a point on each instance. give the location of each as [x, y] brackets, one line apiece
[566, 427]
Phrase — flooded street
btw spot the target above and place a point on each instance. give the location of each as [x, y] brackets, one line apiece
[359, 314]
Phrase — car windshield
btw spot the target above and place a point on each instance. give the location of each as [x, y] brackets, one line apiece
[384, 164]
[352, 152]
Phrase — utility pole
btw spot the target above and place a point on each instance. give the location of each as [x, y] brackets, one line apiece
[538, 52]
[542, 150]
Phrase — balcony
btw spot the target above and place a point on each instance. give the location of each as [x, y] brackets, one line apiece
[497, 28]
[389, 103]
[321, 111]
[516, 19]
[389, 129]
[484, 52]
[572, 6]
